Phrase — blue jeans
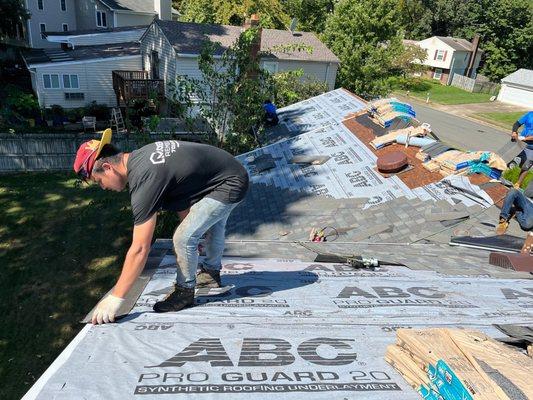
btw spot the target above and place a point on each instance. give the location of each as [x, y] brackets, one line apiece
[208, 216]
[517, 202]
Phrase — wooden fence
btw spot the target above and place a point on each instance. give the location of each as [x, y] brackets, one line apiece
[55, 152]
[473, 85]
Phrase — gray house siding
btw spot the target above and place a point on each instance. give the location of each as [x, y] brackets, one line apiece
[52, 16]
[106, 38]
[129, 19]
[86, 14]
[321, 71]
[155, 41]
[94, 76]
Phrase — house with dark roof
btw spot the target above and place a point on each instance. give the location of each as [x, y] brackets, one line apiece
[75, 15]
[74, 77]
[517, 88]
[447, 56]
[171, 48]
[142, 60]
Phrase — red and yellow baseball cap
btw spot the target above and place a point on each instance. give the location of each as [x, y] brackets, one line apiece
[88, 153]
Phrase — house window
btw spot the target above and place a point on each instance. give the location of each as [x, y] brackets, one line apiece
[65, 27]
[40, 4]
[63, 5]
[74, 96]
[101, 21]
[51, 81]
[42, 28]
[437, 74]
[71, 82]
[270, 66]
[440, 55]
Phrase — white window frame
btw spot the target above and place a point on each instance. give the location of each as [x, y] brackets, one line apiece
[63, 27]
[40, 4]
[437, 74]
[61, 4]
[70, 81]
[101, 13]
[267, 66]
[50, 78]
[440, 55]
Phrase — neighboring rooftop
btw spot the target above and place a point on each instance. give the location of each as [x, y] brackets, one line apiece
[522, 77]
[146, 6]
[456, 43]
[96, 31]
[188, 38]
[44, 56]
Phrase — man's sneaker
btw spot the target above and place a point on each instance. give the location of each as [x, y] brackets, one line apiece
[179, 299]
[502, 227]
[208, 278]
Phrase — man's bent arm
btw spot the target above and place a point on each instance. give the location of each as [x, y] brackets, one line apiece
[136, 256]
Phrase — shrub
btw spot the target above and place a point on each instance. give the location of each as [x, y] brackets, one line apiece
[24, 104]
[100, 111]
[293, 86]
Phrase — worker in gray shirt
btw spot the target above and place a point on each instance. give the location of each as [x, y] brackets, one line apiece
[202, 183]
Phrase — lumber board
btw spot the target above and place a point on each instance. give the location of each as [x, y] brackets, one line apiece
[515, 367]
[432, 345]
[401, 360]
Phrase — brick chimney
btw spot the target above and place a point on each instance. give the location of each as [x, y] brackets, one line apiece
[253, 22]
[473, 54]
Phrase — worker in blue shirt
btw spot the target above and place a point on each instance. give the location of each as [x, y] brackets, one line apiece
[525, 158]
[271, 113]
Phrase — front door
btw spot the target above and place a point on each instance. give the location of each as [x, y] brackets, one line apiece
[155, 65]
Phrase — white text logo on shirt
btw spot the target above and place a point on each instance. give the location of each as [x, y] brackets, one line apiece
[163, 150]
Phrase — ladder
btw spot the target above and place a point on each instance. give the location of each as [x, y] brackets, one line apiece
[117, 122]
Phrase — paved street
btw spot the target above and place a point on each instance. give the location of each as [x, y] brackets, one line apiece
[462, 132]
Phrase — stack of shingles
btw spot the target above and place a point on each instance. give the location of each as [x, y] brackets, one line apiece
[270, 213]
[483, 368]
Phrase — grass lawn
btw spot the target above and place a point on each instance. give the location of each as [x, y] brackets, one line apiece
[61, 249]
[441, 94]
[503, 119]
[512, 175]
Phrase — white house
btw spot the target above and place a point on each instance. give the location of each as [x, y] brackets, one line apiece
[79, 76]
[81, 15]
[171, 48]
[447, 56]
[517, 88]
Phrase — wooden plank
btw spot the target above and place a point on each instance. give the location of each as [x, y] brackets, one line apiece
[432, 345]
[517, 368]
[401, 360]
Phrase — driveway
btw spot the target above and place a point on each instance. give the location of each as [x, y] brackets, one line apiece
[467, 134]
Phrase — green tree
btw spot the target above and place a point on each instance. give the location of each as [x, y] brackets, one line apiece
[229, 95]
[233, 12]
[310, 14]
[13, 13]
[365, 36]
[293, 86]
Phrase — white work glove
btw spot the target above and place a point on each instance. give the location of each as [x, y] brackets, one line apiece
[106, 310]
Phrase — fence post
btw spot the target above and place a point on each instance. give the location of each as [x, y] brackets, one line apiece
[23, 149]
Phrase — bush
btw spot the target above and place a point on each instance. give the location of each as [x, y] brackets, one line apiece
[24, 104]
[100, 111]
[293, 86]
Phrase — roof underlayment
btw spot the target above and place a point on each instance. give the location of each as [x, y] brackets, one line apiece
[287, 326]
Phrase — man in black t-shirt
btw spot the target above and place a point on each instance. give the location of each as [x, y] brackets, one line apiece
[202, 183]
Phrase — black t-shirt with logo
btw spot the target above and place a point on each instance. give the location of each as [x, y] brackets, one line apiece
[173, 175]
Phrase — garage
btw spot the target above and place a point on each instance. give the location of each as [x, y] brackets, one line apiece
[517, 88]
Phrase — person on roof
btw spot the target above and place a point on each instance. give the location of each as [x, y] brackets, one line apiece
[525, 158]
[271, 113]
[520, 206]
[202, 183]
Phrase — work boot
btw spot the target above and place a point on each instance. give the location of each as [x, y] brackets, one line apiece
[208, 278]
[502, 226]
[179, 299]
